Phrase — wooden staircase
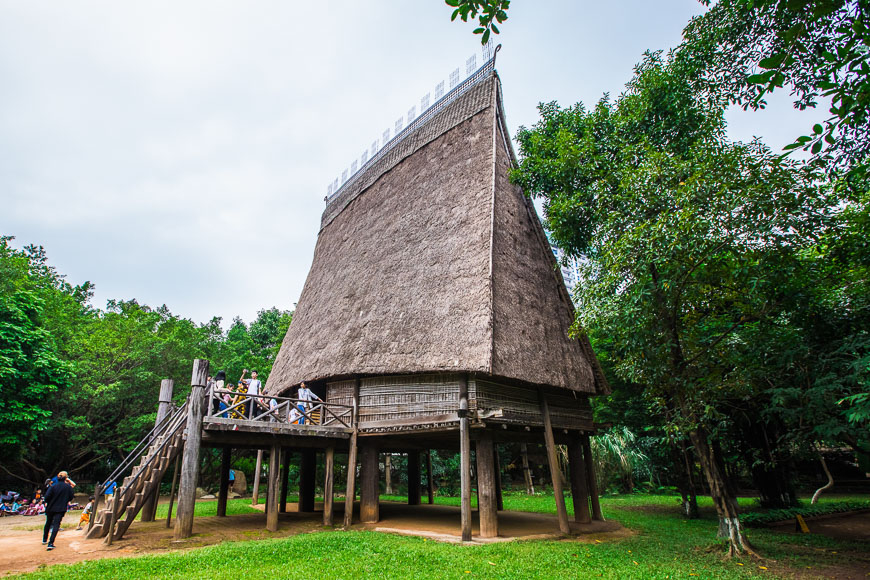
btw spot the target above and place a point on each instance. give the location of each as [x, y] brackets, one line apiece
[167, 441]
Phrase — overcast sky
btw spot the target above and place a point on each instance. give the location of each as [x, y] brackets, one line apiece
[179, 152]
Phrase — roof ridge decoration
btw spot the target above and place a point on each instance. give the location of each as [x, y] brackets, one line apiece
[360, 175]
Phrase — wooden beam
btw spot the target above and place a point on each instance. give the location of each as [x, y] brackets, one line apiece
[285, 480]
[350, 490]
[307, 479]
[255, 498]
[328, 486]
[487, 507]
[413, 478]
[499, 500]
[225, 483]
[464, 461]
[590, 479]
[272, 489]
[429, 477]
[190, 460]
[553, 460]
[579, 490]
[171, 492]
[369, 491]
[388, 473]
[164, 408]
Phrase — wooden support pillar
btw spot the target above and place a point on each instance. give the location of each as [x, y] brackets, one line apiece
[464, 461]
[388, 473]
[190, 460]
[272, 489]
[579, 490]
[527, 472]
[350, 490]
[487, 507]
[255, 498]
[369, 510]
[499, 501]
[328, 485]
[413, 478]
[553, 460]
[590, 480]
[285, 480]
[225, 483]
[164, 408]
[171, 492]
[307, 479]
[429, 477]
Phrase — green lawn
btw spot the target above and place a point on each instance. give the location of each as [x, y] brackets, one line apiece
[665, 546]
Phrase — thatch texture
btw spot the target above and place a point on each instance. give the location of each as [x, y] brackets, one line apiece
[436, 263]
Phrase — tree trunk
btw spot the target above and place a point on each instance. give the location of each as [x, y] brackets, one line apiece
[723, 499]
[685, 464]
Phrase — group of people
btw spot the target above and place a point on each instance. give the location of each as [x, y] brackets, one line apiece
[245, 400]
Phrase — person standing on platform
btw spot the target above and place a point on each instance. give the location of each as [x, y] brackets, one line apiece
[254, 388]
[57, 500]
[306, 401]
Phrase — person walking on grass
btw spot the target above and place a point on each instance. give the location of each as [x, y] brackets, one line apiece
[57, 500]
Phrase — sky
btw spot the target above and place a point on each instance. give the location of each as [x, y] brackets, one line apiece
[178, 153]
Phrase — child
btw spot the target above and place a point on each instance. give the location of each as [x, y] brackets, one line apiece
[86, 514]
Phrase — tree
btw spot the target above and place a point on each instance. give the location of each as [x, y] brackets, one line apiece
[819, 48]
[487, 12]
[686, 238]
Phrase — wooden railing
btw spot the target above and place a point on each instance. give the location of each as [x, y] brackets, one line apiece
[271, 409]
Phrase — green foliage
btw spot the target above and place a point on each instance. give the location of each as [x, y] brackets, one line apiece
[764, 517]
[487, 12]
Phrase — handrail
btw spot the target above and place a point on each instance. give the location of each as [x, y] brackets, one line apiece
[306, 409]
[143, 445]
[156, 452]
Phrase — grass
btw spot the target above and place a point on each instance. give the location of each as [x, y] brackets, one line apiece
[205, 509]
[665, 546]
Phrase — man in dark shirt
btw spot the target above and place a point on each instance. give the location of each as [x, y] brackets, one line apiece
[57, 500]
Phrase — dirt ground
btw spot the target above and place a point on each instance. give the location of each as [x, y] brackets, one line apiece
[21, 548]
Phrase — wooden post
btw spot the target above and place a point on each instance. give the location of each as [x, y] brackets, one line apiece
[388, 473]
[350, 492]
[95, 509]
[464, 461]
[413, 478]
[487, 507]
[527, 472]
[590, 480]
[328, 486]
[579, 491]
[499, 501]
[429, 477]
[172, 491]
[553, 460]
[164, 408]
[190, 461]
[272, 489]
[369, 492]
[255, 498]
[307, 480]
[225, 483]
[285, 480]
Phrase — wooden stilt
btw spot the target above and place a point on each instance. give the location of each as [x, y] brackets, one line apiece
[369, 509]
[255, 498]
[413, 478]
[553, 460]
[328, 486]
[272, 489]
[464, 461]
[499, 501]
[350, 490]
[172, 491]
[429, 477]
[307, 480]
[579, 491]
[487, 509]
[285, 480]
[527, 472]
[225, 483]
[190, 460]
[164, 408]
[388, 473]
[590, 480]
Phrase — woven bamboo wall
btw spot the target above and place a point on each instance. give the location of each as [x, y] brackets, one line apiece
[421, 396]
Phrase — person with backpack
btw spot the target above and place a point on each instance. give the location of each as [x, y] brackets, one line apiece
[57, 500]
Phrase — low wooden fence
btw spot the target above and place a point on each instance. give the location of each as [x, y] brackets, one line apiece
[226, 404]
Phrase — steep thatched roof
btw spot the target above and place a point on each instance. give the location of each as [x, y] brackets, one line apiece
[431, 260]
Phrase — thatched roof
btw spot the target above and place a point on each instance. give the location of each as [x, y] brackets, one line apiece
[431, 260]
